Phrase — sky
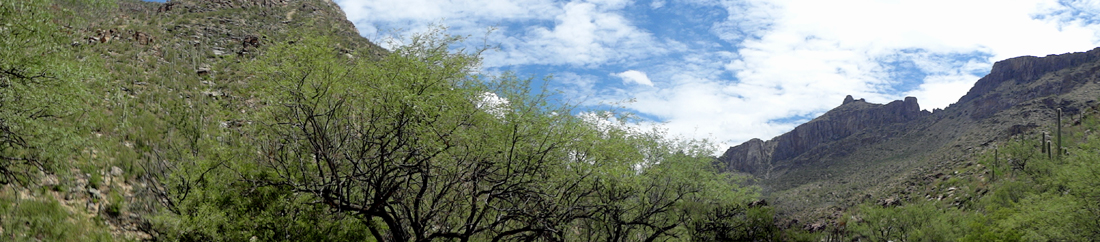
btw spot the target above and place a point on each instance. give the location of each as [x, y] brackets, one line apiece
[732, 70]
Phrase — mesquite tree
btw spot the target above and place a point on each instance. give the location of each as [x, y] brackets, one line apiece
[421, 150]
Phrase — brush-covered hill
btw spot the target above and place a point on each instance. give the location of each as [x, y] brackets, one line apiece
[860, 153]
[92, 91]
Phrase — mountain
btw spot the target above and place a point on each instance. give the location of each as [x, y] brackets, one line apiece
[232, 26]
[811, 141]
[860, 152]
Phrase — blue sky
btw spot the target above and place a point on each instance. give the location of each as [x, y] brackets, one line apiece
[732, 70]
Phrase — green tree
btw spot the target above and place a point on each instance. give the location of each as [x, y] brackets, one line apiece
[38, 88]
[413, 147]
[665, 189]
[421, 150]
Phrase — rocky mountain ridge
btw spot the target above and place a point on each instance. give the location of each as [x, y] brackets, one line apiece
[759, 157]
[861, 151]
[232, 26]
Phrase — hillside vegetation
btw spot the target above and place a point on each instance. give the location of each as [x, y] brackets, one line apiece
[273, 120]
[266, 121]
[1015, 190]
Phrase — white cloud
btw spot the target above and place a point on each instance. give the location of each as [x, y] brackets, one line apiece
[492, 104]
[941, 91]
[655, 4]
[633, 76]
[773, 59]
[578, 32]
[585, 34]
[801, 57]
[1073, 12]
[467, 16]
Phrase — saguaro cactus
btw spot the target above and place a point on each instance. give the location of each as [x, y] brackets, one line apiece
[1058, 135]
[1043, 137]
[1050, 149]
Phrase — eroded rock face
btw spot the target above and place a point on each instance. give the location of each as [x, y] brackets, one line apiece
[750, 157]
[1019, 73]
[890, 150]
[1027, 68]
[758, 157]
[1010, 82]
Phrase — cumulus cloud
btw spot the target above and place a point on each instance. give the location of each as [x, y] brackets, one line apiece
[635, 77]
[941, 91]
[541, 32]
[1077, 12]
[378, 18]
[796, 59]
[589, 34]
[763, 66]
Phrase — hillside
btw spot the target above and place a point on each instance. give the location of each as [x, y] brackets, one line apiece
[861, 152]
[96, 94]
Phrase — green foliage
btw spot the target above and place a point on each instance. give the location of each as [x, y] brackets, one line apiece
[38, 220]
[116, 203]
[915, 222]
[414, 147]
[304, 141]
[39, 88]
[735, 224]
[1034, 198]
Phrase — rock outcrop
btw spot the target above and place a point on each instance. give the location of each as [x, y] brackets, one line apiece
[859, 151]
[991, 94]
[237, 25]
[1009, 83]
[1026, 69]
[852, 116]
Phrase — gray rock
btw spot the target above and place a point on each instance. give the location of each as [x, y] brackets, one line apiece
[115, 171]
[92, 207]
[203, 70]
[50, 180]
[95, 193]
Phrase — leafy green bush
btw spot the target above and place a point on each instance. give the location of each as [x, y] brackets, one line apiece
[1033, 198]
[39, 89]
[38, 220]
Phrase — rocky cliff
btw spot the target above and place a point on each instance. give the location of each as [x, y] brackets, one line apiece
[861, 151]
[1013, 81]
[1009, 83]
[1025, 69]
[852, 116]
[233, 26]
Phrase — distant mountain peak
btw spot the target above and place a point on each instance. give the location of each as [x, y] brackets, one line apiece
[849, 99]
